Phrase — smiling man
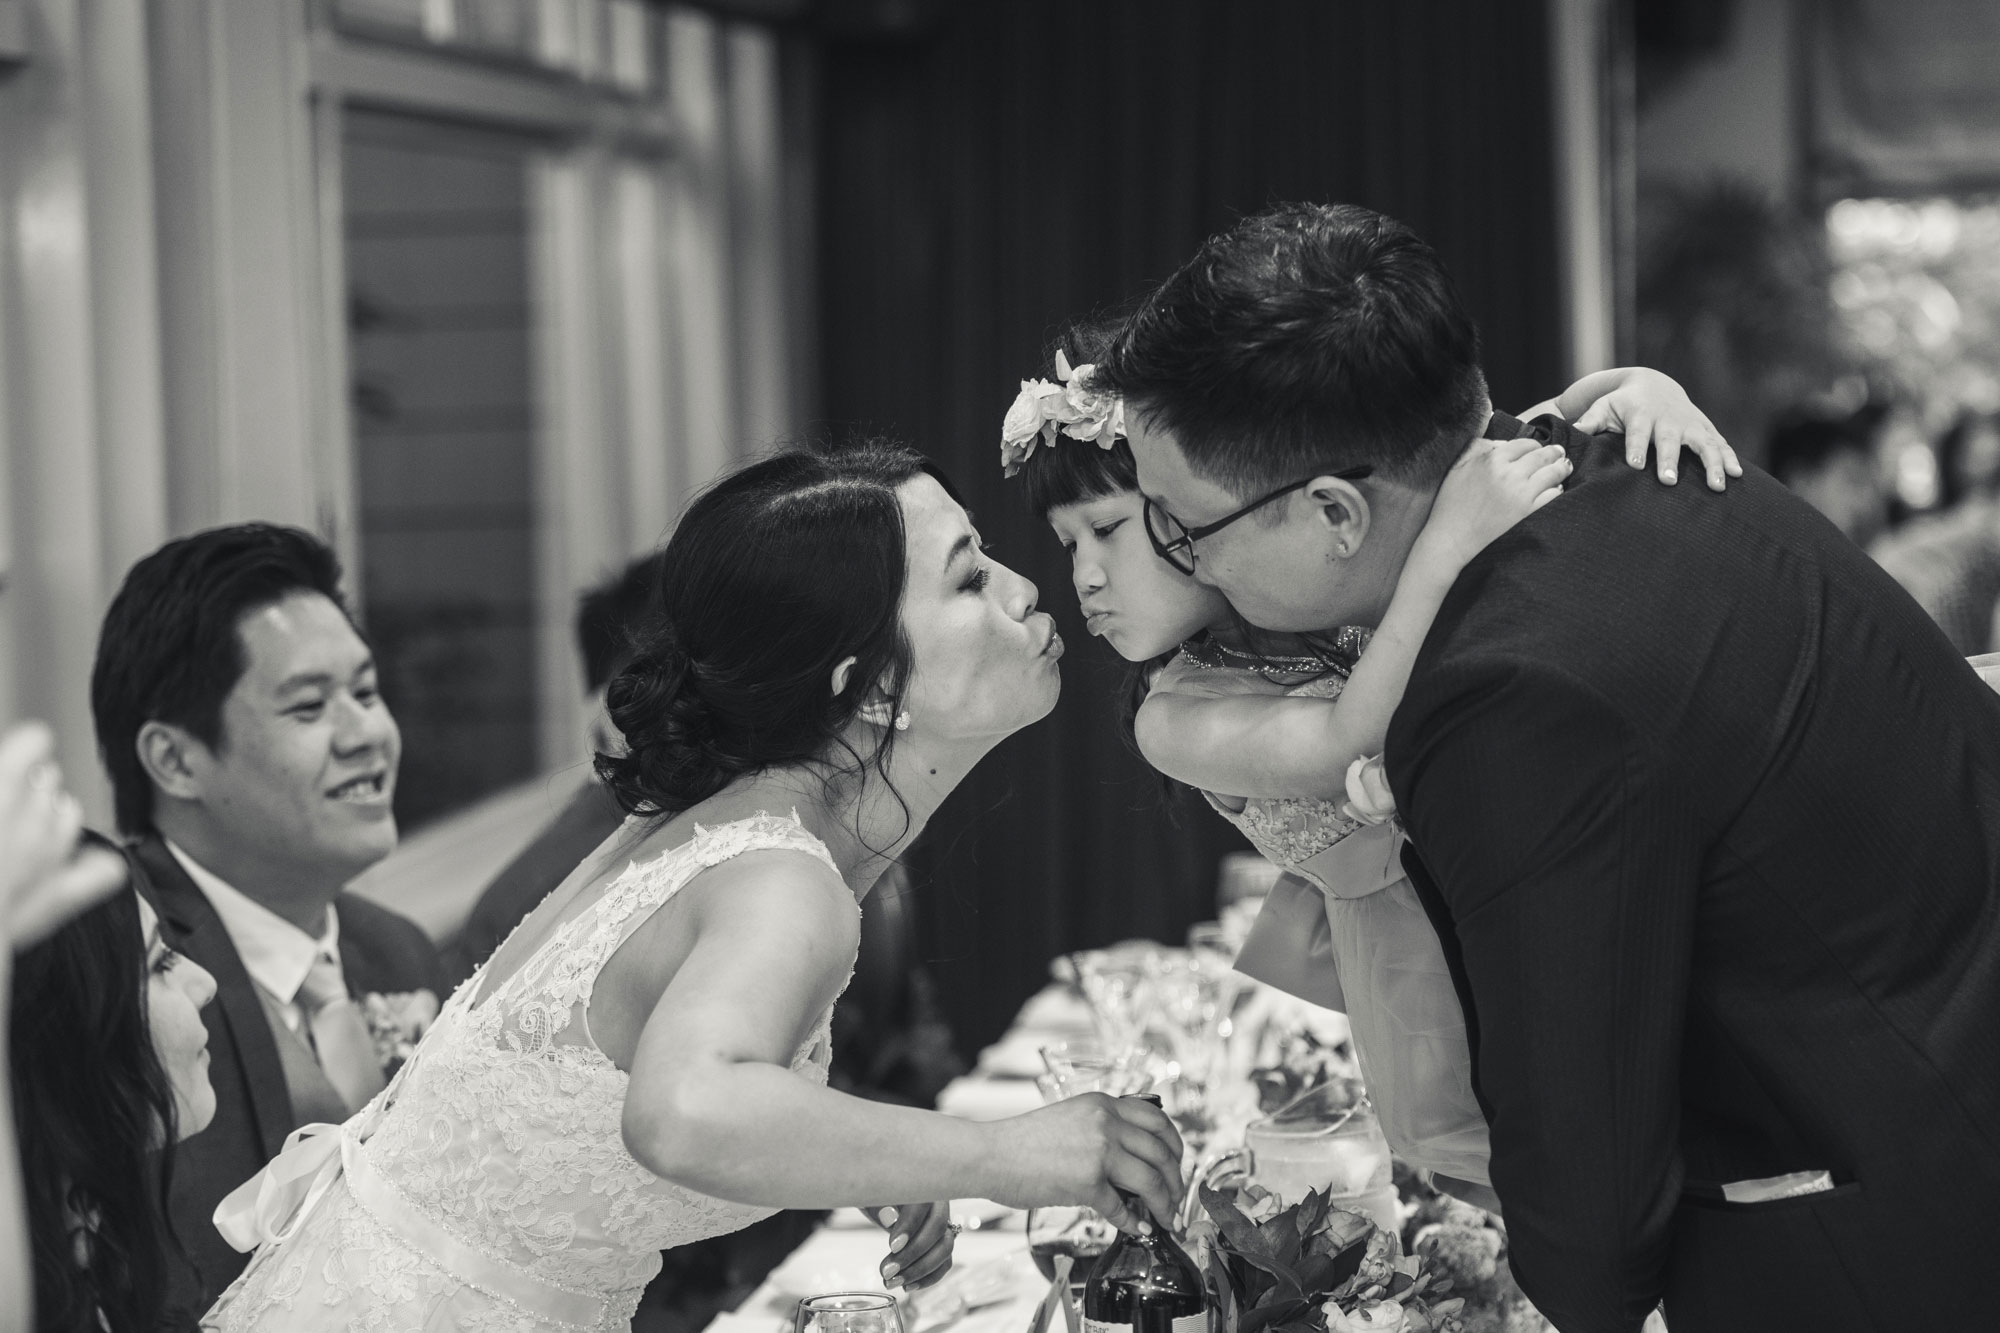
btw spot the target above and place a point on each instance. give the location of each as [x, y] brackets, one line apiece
[253, 763]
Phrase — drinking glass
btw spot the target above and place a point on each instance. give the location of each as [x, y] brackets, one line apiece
[848, 1312]
[1115, 982]
[1078, 1067]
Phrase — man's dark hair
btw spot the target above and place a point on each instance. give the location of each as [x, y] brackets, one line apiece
[1307, 339]
[611, 618]
[169, 650]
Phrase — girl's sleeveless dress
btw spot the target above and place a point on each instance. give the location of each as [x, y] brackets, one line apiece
[1390, 977]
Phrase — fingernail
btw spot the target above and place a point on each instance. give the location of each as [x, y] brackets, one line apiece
[888, 1217]
[890, 1270]
[1667, 477]
[1145, 1228]
[896, 1245]
[892, 1282]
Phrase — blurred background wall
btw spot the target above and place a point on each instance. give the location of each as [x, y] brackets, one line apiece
[483, 289]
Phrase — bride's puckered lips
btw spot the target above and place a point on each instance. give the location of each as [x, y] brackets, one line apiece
[1052, 643]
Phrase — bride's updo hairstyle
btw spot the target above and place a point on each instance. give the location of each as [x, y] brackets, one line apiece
[774, 575]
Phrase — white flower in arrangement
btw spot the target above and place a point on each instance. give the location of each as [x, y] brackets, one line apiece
[1381, 1317]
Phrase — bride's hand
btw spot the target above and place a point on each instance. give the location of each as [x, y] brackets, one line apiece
[920, 1243]
[1086, 1150]
[1494, 485]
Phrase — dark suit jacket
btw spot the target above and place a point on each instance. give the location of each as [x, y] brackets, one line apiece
[1708, 814]
[379, 951]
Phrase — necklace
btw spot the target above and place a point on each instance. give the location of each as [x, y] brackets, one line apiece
[1347, 645]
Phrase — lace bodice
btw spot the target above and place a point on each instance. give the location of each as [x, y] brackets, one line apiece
[505, 1128]
[1290, 831]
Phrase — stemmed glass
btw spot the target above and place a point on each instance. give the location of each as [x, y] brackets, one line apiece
[1193, 1004]
[848, 1312]
[1082, 1233]
[1115, 982]
[1076, 1067]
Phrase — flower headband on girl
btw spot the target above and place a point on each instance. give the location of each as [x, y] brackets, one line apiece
[1043, 410]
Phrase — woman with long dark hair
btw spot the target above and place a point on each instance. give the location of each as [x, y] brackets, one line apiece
[106, 1066]
[109, 1071]
[643, 1063]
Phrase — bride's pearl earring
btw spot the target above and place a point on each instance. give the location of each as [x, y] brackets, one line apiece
[902, 721]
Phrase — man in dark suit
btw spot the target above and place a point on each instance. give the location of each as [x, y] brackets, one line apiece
[1707, 812]
[253, 764]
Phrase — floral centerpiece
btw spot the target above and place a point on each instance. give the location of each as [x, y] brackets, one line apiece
[1314, 1268]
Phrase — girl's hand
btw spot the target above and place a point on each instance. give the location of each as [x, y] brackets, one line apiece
[1651, 408]
[920, 1241]
[44, 879]
[1494, 485]
[1089, 1150]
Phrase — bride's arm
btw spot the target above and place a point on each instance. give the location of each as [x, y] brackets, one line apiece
[712, 1104]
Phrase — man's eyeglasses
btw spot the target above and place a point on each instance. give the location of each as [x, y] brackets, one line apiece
[1175, 544]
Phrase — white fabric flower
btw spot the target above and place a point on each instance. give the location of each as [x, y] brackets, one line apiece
[1069, 406]
[1024, 418]
[1369, 799]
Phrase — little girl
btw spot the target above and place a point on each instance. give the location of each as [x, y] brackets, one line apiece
[1273, 729]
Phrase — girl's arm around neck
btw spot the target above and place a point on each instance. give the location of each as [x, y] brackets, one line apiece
[1263, 745]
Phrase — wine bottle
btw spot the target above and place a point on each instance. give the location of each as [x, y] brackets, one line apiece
[1145, 1283]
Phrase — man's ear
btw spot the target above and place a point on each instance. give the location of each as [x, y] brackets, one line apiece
[1343, 509]
[170, 755]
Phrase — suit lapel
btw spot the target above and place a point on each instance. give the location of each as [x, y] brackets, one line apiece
[199, 933]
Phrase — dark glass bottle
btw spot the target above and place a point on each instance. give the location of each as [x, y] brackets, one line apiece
[1145, 1284]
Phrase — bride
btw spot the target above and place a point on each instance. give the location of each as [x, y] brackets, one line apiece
[643, 1063]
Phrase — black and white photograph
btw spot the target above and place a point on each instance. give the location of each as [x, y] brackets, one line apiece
[994, 666]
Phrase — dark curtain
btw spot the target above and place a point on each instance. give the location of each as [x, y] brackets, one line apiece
[1031, 160]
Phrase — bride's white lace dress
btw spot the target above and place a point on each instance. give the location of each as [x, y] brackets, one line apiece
[488, 1186]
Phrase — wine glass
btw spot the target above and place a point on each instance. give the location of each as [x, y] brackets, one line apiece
[1114, 982]
[1077, 1067]
[848, 1312]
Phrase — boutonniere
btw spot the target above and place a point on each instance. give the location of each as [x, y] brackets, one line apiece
[397, 1022]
